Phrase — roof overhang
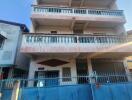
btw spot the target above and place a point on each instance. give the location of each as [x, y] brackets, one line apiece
[6, 65]
[3, 34]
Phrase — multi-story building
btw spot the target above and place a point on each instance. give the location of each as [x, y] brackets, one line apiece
[129, 59]
[129, 33]
[13, 64]
[71, 38]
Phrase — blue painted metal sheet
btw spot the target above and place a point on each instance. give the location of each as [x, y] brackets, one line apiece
[75, 92]
[6, 94]
[112, 92]
[78, 92]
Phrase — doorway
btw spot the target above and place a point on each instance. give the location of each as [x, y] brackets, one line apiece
[47, 78]
[82, 70]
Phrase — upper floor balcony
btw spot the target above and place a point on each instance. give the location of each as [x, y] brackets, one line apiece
[46, 43]
[77, 3]
[69, 16]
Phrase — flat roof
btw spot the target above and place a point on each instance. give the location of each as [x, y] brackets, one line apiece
[22, 26]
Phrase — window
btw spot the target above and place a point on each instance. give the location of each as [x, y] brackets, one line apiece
[77, 31]
[2, 39]
[66, 72]
[53, 32]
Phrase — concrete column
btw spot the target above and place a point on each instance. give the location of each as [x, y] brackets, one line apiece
[127, 70]
[0, 70]
[90, 70]
[31, 70]
[10, 74]
[31, 73]
[32, 28]
[74, 72]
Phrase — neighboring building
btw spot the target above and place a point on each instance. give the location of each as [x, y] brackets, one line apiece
[13, 64]
[71, 38]
[129, 33]
[129, 59]
[129, 63]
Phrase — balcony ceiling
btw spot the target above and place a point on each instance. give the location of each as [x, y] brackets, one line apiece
[69, 23]
[99, 3]
[53, 22]
[69, 56]
[53, 2]
[53, 62]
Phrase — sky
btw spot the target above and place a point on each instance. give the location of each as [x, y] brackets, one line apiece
[20, 11]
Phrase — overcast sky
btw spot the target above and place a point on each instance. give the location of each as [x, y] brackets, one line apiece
[19, 11]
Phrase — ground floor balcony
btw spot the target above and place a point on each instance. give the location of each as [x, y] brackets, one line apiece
[89, 45]
[72, 16]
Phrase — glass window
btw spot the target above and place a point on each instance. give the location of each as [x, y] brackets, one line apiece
[66, 72]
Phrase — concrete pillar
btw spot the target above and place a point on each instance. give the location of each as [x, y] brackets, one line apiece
[10, 74]
[15, 91]
[74, 72]
[0, 70]
[129, 76]
[32, 28]
[31, 70]
[31, 73]
[90, 70]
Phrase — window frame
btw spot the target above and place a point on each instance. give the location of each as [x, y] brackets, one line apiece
[66, 77]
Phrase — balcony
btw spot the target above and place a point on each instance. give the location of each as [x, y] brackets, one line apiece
[45, 43]
[68, 16]
[77, 3]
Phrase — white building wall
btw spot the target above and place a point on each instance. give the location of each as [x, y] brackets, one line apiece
[22, 61]
[10, 52]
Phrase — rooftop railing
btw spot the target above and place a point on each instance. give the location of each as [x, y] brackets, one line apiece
[78, 11]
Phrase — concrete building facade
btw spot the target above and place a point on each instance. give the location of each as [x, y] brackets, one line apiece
[71, 38]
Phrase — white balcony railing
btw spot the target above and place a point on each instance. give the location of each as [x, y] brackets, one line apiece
[75, 39]
[75, 43]
[79, 11]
